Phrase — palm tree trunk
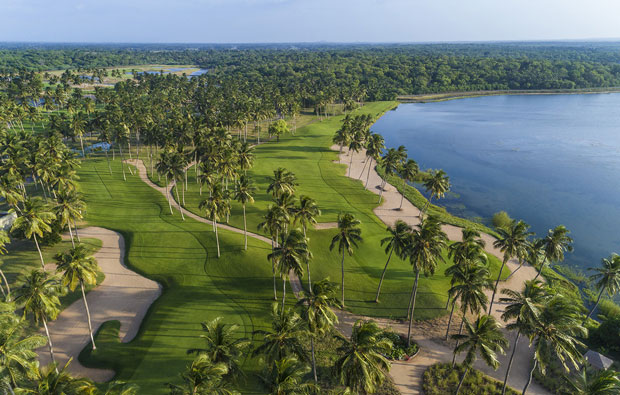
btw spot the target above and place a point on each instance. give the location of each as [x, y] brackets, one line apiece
[381, 186]
[273, 270]
[217, 240]
[450, 319]
[283, 294]
[383, 275]
[49, 342]
[183, 192]
[120, 148]
[402, 197]
[75, 228]
[496, 284]
[168, 196]
[462, 380]
[342, 276]
[512, 355]
[363, 168]
[107, 158]
[350, 163]
[413, 296]
[71, 234]
[529, 380]
[245, 229]
[36, 243]
[368, 175]
[600, 294]
[8, 289]
[82, 144]
[90, 326]
[313, 360]
[457, 342]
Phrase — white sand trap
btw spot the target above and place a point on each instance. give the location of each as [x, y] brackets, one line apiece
[124, 296]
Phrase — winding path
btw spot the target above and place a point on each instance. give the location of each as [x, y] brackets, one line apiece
[123, 295]
[408, 375]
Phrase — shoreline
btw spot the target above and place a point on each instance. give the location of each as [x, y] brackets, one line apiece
[445, 96]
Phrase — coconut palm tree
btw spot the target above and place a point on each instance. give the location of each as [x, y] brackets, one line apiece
[513, 242]
[38, 296]
[78, 267]
[290, 255]
[470, 246]
[286, 377]
[484, 337]
[216, 206]
[274, 223]
[121, 388]
[223, 345]
[282, 181]
[34, 220]
[362, 366]
[349, 234]
[245, 156]
[437, 184]
[317, 312]
[425, 253]
[397, 241]
[18, 349]
[591, 382]
[203, 376]
[522, 310]
[52, 381]
[69, 206]
[408, 172]
[4, 240]
[468, 282]
[305, 214]
[164, 168]
[374, 147]
[554, 336]
[390, 161]
[244, 195]
[355, 145]
[607, 279]
[556, 243]
[284, 338]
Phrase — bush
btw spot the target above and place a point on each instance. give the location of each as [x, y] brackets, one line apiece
[400, 351]
[441, 379]
[502, 220]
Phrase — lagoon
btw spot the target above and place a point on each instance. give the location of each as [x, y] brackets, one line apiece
[546, 159]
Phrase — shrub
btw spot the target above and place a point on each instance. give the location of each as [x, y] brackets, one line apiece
[441, 379]
[400, 351]
[502, 220]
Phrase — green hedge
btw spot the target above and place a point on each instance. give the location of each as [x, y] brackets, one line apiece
[417, 199]
[441, 379]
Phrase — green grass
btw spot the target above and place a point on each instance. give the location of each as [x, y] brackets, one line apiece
[307, 154]
[22, 257]
[197, 286]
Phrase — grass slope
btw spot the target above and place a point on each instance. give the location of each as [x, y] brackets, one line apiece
[181, 256]
[308, 155]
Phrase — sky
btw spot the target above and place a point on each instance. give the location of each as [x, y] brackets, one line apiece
[264, 21]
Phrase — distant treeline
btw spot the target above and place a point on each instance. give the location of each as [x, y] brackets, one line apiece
[374, 72]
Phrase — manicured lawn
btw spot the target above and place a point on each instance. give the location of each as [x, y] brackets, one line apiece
[307, 154]
[181, 256]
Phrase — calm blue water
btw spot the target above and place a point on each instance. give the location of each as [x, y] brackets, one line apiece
[548, 159]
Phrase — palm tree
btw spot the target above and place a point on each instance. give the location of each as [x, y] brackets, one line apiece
[222, 345]
[4, 240]
[556, 243]
[38, 295]
[362, 365]
[607, 278]
[121, 388]
[471, 246]
[589, 382]
[425, 253]
[554, 335]
[34, 220]
[375, 145]
[408, 171]
[215, 206]
[397, 240]
[52, 381]
[349, 234]
[18, 362]
[355, 145]
[68, 207]
[274, 223]
[468, 283]
[305, 214]
[390, 162]
[284, 338]
[78, 267]
[243, 194]
[282, 181]
[291, 253]
[436, 184]
[317, 312]
[286, 377]
[484, 337]
[524, 308]
[513, 243]
[163, 168]
[203, 376]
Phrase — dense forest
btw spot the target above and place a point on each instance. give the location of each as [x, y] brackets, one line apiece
[374, 72]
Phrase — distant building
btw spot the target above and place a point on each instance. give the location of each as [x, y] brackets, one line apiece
[598, 360]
